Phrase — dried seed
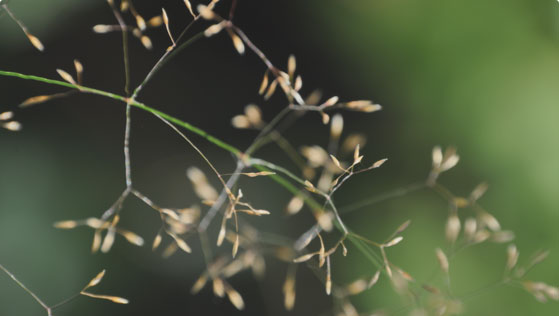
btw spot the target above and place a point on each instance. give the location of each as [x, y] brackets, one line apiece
[240, 121]
[189, 7]
[146, 41]
[502, 236]
[325, 221]
[538, 257]
[328, 277]
[402, 227]
[108, 241]
[344, 249]
[206, 12]
[132, 237]
[199, 284]
[443, 260]
[321, 252]
[201, 186]
[304, 258]
[452, 228]
[237, 42]
[170, 250]
[236, 245]
[221, 235]
[6, 116]
[235, 298]
[140, 22]
[264, 83]
[271, 89]
[96, 241]
[437, 157]
[95, 280]
[166, 22]
[79, 70]
[336, 162]
[352, 140]
[330, 102]
[258, 174]
[374, 279]
[124, 5]
[156, 241]
[490, 221]
[379, 163]
[337, 126]
[512, 256]
[478, 192]
[306, 238]
[393, 242]
[12, 126]
[289, 292]
[180, 242]
[114, 299]
[35, 41]
[213, 30]
[291, 65]
[253, 114]
[218, 287]
[356, 287]
[450, 159]
[356, 156]
[66, 76]
[37, 99]
[155, 21]
[295, 205]
[470, 227]
[298, 83]
[101, 28]
[66, 224]
[481, 236]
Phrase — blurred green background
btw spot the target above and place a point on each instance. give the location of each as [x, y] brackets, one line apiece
[480, 75]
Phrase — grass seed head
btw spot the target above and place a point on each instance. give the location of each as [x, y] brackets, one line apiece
[443, 260]
[36, 100]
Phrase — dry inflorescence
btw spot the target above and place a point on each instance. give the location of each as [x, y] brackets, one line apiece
[321, 172]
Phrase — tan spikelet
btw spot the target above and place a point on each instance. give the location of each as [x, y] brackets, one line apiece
[235, 298]
[66, 224]
[181, 243]
[291, 65]
[114, 299]
[199, 284]
[443, 260]
[95, 280]
[156, 241]
[66, 76]
[132, 237]
[35, 41]
[189, 7]
[263, 84]
[393, 242]
[237, 42]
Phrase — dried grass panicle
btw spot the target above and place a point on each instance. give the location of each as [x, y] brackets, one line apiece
[321, 171]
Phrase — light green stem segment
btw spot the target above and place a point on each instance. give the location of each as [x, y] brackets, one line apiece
[313, 204]
[134, 103]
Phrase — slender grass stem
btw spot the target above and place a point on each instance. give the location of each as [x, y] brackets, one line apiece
[11, 275]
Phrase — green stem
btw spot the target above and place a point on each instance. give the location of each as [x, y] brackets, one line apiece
[313, 204]
[136, 104]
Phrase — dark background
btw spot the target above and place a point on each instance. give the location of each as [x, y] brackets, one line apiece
[480, 75]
